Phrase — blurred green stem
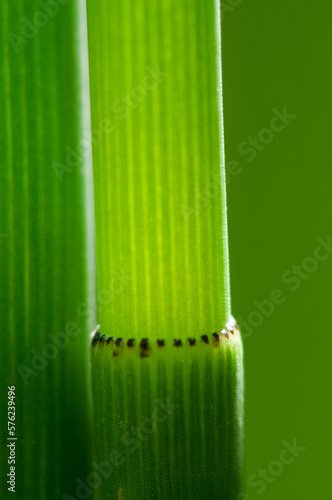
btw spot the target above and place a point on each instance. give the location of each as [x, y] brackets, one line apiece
[47, 258]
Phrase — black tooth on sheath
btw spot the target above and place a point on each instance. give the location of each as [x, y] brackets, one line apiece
[177, 342]
[192, 341]
[205, 339]
[102, 339]
[131, 342]
[118, 341]
[216, 336]
[110, 339]
[144, 345]
[224, 332]
[161, 342]
[95, 339]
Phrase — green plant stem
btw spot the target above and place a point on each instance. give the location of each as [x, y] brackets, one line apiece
[158, 167]
[169, 425]
[162, 256]
[47, 259]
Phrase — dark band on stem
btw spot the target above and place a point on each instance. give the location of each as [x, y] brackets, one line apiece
[145, 344]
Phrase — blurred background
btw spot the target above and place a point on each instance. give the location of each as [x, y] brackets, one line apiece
[277, 63]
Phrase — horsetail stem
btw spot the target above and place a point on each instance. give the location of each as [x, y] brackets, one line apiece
[167, 361]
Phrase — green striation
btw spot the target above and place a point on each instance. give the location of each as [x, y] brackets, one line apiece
[47, 245]
[162, 256]
[169, 420]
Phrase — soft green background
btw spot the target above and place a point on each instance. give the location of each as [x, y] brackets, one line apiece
[277, 54]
